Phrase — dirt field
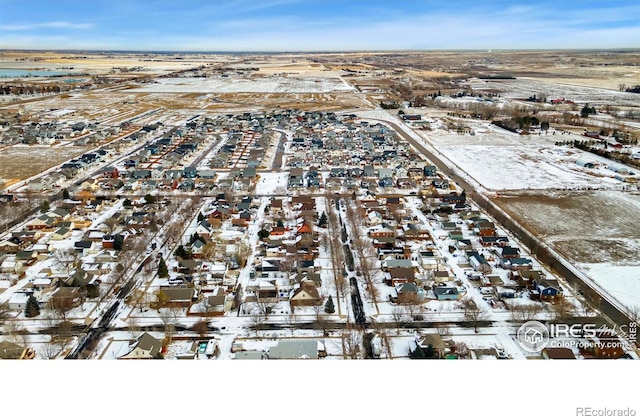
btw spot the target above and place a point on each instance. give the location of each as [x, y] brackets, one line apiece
[22, 162]
[587, 227]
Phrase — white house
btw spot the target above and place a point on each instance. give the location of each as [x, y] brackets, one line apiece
[374, 218]
[18, 301]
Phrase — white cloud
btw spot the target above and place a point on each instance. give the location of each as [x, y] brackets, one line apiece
[50, 25]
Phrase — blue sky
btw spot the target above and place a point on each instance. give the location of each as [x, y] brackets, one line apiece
[301, 25]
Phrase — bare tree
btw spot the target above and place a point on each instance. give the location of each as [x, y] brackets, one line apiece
[318, 309]
[243, 253]
[352, 343]
[292, 320]
[256, 319]
[525, 312]
[443, 329]
[174, 231]
[473, 314]
[111, 224]
[50, 350]
[461, 349]
[161, 300]
[134, 325]
[209, 251]
[51, 322]
[413, 308]
[4, 312]
[67, 258]
[563, 309]
[264, 305]
[397, 314]
[14, 329]
[201, 327]
[138, 299]
[62, 305]
[64, 336]
[320, 319]
[176, 313]
[168, 321]
[634, 313]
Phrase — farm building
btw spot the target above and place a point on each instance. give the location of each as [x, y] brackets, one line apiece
[585, 163]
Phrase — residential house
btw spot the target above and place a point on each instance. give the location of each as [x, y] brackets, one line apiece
[545, 289]
[291, 349]
[381, 230]
[433, 342]
[61, 234]
[65, 297]
[605, 344]
[407, 293]
[520, 263]
[306, 295]
[144, 347]
[179, 297]
[485, 228]
[558, 354]
[389, 264]
[398, 275]
[478, 262]
[12, 245]
[18, 301]
[374, 218]
[296, 178]
[204, 229]
[446, 293]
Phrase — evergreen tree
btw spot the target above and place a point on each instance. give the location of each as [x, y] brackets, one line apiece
[544, 126]
[429, 352]
[162, 268]
[65, 194]
[322, 222]
[417, 354]
[44, 207]
[118, 241]
[280, 223]
[32, 308]
[586, 111]
[180, 252]
[149, 199]
[263, 234]
[329, 307]
[200, 217]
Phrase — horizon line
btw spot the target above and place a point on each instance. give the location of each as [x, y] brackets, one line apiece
[327, 51]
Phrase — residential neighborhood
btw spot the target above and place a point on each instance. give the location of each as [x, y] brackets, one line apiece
[325, 207]
[206, 243]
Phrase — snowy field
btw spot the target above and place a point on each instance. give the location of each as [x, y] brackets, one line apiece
[501, 160]
[526, 167]
[596, 230]
[271, 84]
[526, 87]
[621, 281]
